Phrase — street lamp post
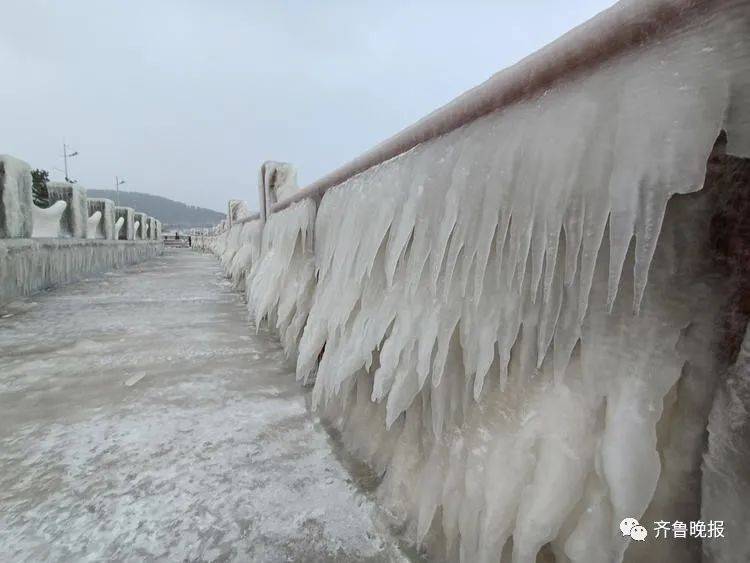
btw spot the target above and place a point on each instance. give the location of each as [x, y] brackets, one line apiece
[118, 183]
[66, 156]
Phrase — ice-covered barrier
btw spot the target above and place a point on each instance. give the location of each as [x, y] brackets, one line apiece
[58, 252]
[30, 265]
[104, 227]
[47, 220]
[522, 322]
[127, 214]
[15, 198]
[75, 216]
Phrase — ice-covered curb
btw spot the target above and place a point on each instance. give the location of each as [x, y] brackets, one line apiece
[30, 265]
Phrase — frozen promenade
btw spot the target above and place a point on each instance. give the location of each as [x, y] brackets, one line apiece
[142, 419]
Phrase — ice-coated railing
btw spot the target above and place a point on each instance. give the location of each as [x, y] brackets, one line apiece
[42, 247]
[526, 310]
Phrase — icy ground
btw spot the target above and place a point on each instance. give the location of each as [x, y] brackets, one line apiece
[141, 418]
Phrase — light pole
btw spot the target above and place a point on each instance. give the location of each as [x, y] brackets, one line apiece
[66, 156]
[118, 183]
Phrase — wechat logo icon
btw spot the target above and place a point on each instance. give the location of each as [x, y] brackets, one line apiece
[631, 527]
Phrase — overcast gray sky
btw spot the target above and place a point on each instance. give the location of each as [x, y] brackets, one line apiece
[186, 98]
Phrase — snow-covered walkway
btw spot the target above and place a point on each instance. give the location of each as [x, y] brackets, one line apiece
[141, 418]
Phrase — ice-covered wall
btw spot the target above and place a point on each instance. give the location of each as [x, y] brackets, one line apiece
[520, 324]
[74, 220]
[127, 231]
[105, 227]
[15, 198]
[30, 265]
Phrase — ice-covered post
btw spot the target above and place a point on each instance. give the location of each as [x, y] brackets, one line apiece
[125, 216]
[140, 226]
[105, 226]
[276, 181]
[158, 229]
[15, 198]
[75, 217]
[151, 228]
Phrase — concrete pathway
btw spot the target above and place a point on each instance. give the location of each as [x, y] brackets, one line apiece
[142, 418]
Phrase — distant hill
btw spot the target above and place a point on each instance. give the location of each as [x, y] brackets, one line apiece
[171, 213]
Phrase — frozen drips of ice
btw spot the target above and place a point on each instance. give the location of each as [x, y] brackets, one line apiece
[247, 254]
[281, 282]
[500, 319]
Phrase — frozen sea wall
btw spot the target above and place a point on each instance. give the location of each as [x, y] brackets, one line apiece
[74, 237]
[531, 324]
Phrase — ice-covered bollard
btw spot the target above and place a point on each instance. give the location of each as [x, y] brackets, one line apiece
[141, 227]
[276, 182]
[15, 198]
[75, 217]
[151, 228]
[47, 221]
[104, 228]
[126, 231]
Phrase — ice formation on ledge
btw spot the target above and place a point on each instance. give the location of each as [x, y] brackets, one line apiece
[47, 220]
[511, 324]
[15, 198]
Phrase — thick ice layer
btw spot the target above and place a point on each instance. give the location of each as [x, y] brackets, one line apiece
[47, 220]
[15, 198]
[280, 285]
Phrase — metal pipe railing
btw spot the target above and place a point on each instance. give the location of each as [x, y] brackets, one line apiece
[624, 26]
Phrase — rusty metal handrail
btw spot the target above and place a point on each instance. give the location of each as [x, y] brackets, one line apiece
[624, 26]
